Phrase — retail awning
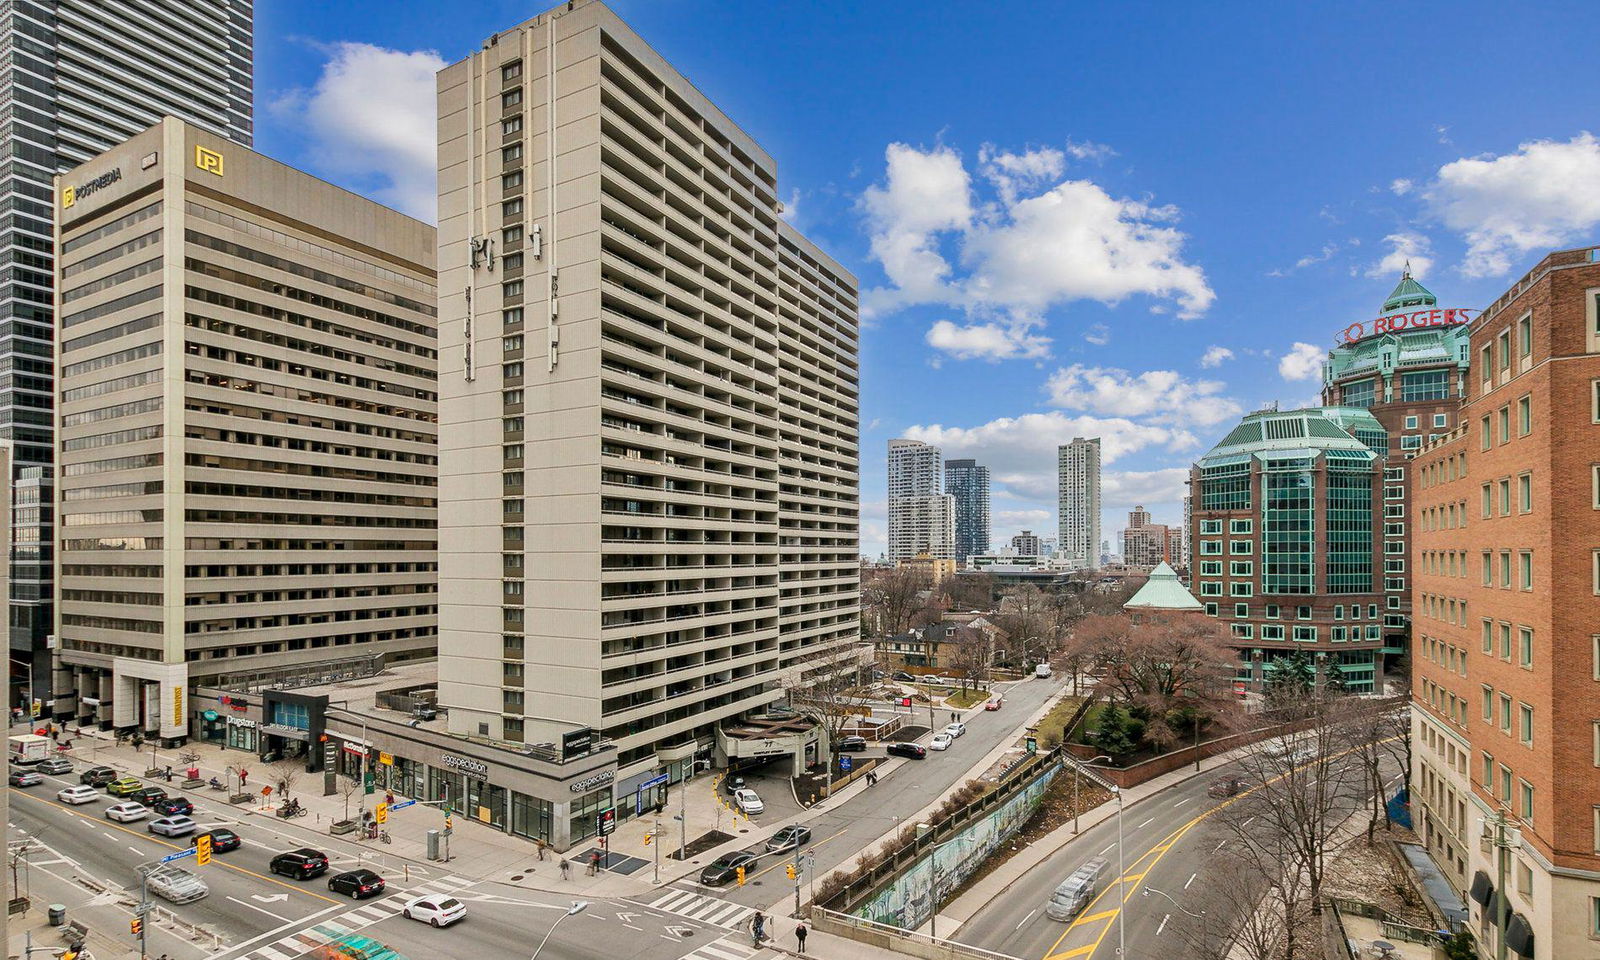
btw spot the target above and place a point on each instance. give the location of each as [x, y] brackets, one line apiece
[1482, 888]
[1519, 936]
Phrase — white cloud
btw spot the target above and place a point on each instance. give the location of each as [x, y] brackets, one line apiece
[1404, 247]
[1089, 150]
[1098, 334]
[987, 341]
[1025, 251]
[1149, 487]
[1302, 362]
[372, 114]
[1005, 523]
[1544, 195]
[926, 193]
[1215, 356]
[1164, 396]
[1010, 172]
[1400, 186]
[1027, 444]
[1324, 255]
[791, 206]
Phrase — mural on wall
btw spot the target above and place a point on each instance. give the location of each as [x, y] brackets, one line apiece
[914, 897]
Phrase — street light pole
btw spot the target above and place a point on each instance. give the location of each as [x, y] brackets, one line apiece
[1122, 899]
[578, 906]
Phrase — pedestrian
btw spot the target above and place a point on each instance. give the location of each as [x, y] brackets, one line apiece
[594, 863]
[540, 845]
[243, 776]
[758, 931]
[388, 797]
[566, 869]
[169, 773]
[800, 935]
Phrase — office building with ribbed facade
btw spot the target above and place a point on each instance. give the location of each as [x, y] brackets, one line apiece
[648, 409]
[79, 77]
[967, 483]
[246, 423]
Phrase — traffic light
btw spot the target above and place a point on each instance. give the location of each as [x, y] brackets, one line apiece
[136, 926]
[648, 838]
[202, 849]
[792, 872]
[739, 873]
[380, 813]
[449, 822]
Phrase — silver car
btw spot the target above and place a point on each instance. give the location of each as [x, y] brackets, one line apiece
[173, 826]
[176, 884]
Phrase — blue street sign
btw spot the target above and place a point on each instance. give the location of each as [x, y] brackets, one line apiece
[178, 856]
[844, 764]
[401, 805]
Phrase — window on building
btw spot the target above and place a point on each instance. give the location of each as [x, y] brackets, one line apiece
[1488, 771]
[1505, 569]
[1210, 548]
[1241, 610]
[1525, 570]
[1361, 393]
[1486, 437]
[1525, 724]
[1305, 634]
[511, 154]
[1527, 802]
[1488, 703]
[1242, 631]
[1210, 568]
[511, 125]
[1241, 568]
[1525, 337]
[1423, 386]
[1241, 547]
[1410, 441]
[1210, 588]
[1441, 420]
[1411, 423]
[1505, 497]
[1525, 492]
[1488, 644]
[1502, 346]
[1524, 416]
[1271, 631]
[1338, 634]
[1338, 611]
[510, 71]
[1210, 526]
[510, 98]
[1241, 589]
[1504, 416]
[1505, 783]
[1505, 641]
[1525, 646]
[1302, 613]
[511, 208]
[1211, 609]
[1272, 611]
[1244, 527]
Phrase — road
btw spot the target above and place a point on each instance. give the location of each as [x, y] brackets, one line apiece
[252, 915]
[841, 834]
[1168, 839]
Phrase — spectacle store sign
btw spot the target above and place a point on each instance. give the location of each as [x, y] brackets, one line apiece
[1415, 320]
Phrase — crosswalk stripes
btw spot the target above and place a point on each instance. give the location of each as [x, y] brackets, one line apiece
[301, 942]
[724, 949]
[687, 903]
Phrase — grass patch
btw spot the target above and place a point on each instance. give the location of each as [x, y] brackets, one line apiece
[1051, 727]
[963, 699]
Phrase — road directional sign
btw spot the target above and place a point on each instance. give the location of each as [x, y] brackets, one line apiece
[178, 856]
[401, 805]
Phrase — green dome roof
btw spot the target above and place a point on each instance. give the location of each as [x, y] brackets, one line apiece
[1409, 293]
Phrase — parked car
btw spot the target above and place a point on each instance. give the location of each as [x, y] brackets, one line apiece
[911, 751]
[148, 796]
[748, 802]
[438, 911]
[955, 729]
[940, 741]
[904, 677]
[1227, 787]
[732, 783]
[302, 864]
[356, 884]
[222, 839]
[127, 812]
[793, 835]
[82, 793]
[1076, 891]
[173, 806]
[122, 786]
[55, 766]
[176, 884]
[98, 776]
[725, 868]
[851, 745]
[994, 704]
[173, 826]
[25, 778]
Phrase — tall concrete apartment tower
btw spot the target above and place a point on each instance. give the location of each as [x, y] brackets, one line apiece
[967, 483]
[1505, 689]
[1078, 501]
[246, 426]
[79, 77]
[922, 516]
[648, 406]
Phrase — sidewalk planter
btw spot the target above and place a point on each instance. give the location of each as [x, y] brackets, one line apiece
[339, 827]
[237, 798]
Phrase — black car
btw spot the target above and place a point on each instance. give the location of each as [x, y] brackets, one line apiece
[1227, 787]
[904, 677]
[911, 751]
[851, 745]
[793, 835]
[98, 776]
[222, 840]
[147, 796]
[302, 864]
[732, 782]
[173, 807]
[356, 884]
[726, 868]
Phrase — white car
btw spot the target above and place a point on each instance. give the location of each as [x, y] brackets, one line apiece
[81, 793]
[127, 812]
[955, 729]
[940, 741]
[173, 826]
[176, 884]
[437, 910]
[748, 802]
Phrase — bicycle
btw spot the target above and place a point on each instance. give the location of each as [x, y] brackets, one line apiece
[383, 837]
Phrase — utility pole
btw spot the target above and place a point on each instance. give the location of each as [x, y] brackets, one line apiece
[683, 817]
[655, 841]
[144, 911]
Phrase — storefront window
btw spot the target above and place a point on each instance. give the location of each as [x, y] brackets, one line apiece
[242, 736]
[530, 817]
[582, 825]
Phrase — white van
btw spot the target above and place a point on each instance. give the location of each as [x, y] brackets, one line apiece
[1042, 670]
[1076, 891]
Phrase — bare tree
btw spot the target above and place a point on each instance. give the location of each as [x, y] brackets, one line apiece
[1239, 913]
[826, 685]
[284, 774]
[972, 654]
[1157, 664]
[1025, 617]
[348, 788]
[894, 597]
[969, 591]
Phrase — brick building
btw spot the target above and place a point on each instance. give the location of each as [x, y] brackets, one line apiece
[1146, 544]
[1506, 677]
[1285, 531]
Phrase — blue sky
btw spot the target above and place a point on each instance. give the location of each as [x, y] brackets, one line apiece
[1127, 220]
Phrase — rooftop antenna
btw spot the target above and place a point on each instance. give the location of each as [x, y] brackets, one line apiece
[1406, 273]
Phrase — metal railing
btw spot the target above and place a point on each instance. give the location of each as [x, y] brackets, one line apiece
[894, 938]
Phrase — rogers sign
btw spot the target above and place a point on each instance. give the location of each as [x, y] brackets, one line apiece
[1416, 320]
